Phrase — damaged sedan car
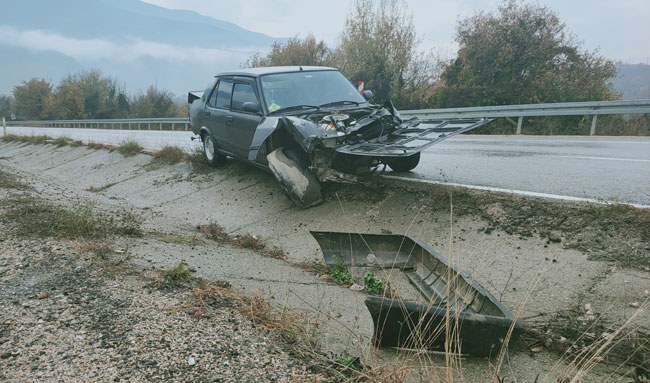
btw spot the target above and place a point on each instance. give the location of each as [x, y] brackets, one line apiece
[308, 125]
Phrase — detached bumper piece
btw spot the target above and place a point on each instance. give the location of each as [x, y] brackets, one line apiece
[409, 141]
[478, 323]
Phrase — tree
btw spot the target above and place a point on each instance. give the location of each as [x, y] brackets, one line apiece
[33, 100]
[5, 106]
[378, 46]
[522, 54]
[154, 103]
[293, 52]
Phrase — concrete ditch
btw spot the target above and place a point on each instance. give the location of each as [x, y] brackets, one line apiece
[528, 273]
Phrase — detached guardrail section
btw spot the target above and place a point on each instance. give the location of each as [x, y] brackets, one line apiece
[592, 108]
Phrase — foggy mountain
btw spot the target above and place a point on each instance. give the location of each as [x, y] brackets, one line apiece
[633, 80]
[138, 43]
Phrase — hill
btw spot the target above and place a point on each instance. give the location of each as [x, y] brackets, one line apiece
[137, 42]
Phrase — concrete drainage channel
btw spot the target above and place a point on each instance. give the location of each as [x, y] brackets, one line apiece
[529, 276]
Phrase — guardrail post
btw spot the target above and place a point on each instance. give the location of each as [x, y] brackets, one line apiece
[593, 125]
[520, 121]
[4, 127]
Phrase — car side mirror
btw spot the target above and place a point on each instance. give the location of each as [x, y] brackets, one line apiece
[251, 107]
[367, 94]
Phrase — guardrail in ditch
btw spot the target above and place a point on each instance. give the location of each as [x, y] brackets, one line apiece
[592, 108]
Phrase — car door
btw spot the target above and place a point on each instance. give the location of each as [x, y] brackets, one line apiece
[241, 124]
[217, 114]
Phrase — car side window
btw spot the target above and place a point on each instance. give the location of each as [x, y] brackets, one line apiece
[242, 93]
[213, 98]
[224, 91]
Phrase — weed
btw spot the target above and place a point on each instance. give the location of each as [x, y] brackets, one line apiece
[214, 231]
[218, 233]
[198, 162]
[373, 285]
[129, 148]
[10, 181]
[76, 143]
[348, 363]
[341, 274]
[176, 276]
[39, 218]
[100, 250]
[248, 241]
[97, 145]
[40, 139]
[61, 141]
[97, 189]
[169, 155]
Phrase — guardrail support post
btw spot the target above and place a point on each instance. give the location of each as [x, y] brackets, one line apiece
[593, 125]
[4, 127]
[520, 121]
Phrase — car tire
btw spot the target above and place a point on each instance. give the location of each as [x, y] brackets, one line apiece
[212, 155]
[404, 164]
[295, 178]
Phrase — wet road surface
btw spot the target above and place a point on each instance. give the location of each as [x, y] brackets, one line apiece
[599, 168]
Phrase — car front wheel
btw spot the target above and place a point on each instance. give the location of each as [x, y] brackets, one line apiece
[213, 157]
[404, 164]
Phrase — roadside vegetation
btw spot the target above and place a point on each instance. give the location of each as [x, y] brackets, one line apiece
[129, 148]
[35, 217]
[169, 155]
[218, 233]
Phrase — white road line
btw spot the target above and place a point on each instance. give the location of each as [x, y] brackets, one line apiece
[598, 158]
[518, 192]
[510, 139]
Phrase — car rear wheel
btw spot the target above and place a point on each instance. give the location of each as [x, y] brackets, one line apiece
[404, 164]
[213, 157]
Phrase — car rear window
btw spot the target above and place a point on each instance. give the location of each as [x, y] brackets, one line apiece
[241, 94]
[223, 94]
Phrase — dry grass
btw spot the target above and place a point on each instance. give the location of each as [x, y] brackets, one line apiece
[294, 331]
[38, 139]
[218, 233]
[35, 217]
[10, 181]
[198, 162]
[97, 145]
[129, 148]
[97, 189]
[169, 155]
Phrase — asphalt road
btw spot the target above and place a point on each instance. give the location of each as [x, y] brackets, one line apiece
[598, 168]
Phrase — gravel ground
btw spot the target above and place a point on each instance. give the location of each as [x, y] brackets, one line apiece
[67, 317]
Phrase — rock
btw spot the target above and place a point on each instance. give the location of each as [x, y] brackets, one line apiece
[191, 361]
[554, 236]
[356, 287]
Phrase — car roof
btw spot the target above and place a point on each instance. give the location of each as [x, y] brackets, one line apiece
[256, 72]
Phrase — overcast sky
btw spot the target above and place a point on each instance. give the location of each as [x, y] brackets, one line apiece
[620, 28]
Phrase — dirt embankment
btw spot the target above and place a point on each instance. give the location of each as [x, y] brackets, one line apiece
[562, 267]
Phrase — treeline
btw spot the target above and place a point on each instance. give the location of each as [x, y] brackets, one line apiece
[87, 95]
[520, 54]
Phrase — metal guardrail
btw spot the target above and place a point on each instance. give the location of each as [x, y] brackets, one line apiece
[593, 108]
[182, 123]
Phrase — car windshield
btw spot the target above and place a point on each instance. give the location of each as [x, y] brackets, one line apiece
[284, 90]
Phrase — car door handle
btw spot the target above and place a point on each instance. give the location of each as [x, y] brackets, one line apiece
[229, 119]
[207, 112]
